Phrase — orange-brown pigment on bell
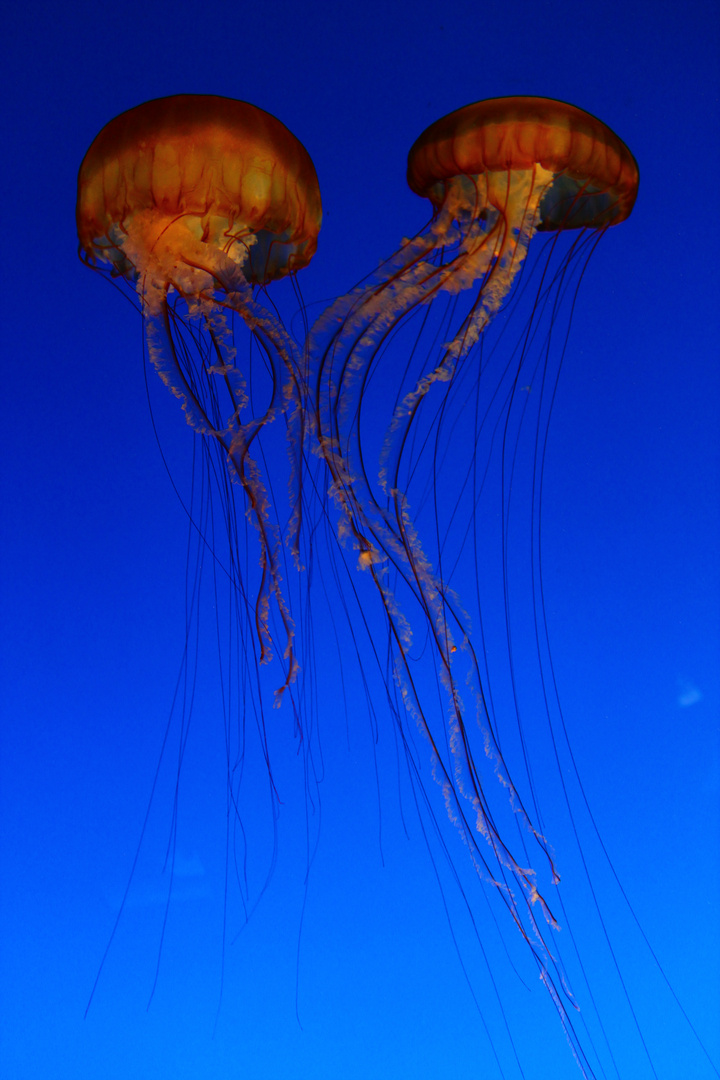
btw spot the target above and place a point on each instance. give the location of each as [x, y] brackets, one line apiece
[230, 170]
[518, 133]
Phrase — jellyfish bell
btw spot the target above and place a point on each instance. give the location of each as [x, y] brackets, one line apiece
[230, 174]
[594, 175]
[456, 343]
[194, 200]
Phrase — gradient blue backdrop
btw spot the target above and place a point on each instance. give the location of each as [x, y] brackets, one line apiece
[93, 559]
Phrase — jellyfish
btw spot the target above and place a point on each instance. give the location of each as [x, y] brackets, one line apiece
[194, 205]
[434, 434]
[417, 409]
[195, 201]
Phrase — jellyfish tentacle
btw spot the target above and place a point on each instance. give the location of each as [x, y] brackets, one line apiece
[407, 281]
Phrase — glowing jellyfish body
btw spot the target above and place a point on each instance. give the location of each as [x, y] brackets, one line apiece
[433, 438]
[416, 502]
[194, 200]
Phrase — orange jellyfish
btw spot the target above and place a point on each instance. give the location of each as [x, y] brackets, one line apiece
[434, 433]
[195, 201]
[195, 204]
